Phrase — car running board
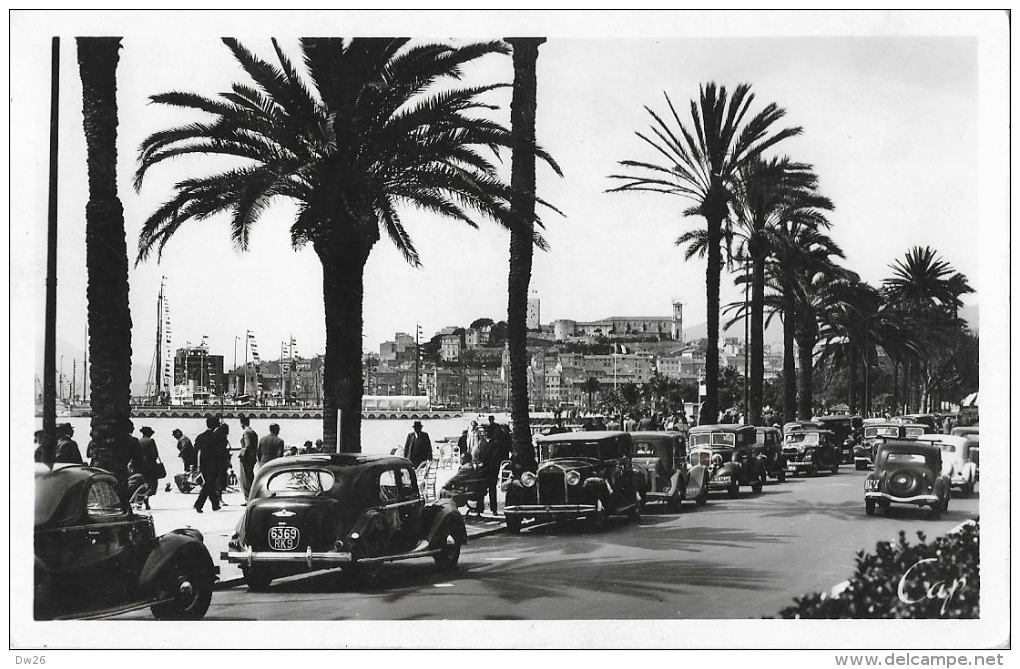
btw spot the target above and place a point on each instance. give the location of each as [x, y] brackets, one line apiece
[420, 551]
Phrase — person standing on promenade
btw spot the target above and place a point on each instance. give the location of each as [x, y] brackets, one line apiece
[475, 443]
[418, 446]
[67, 449]
[223, 480]
[270, 446]
[210, 447]
[248, 456]
[147, 462]
[499, 450]
[185, 450]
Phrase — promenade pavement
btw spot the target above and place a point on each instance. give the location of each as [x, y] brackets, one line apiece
[174, 509]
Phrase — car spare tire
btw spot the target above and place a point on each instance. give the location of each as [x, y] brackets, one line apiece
[904, 483]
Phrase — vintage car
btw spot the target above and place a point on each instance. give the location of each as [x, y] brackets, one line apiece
[728, 452]
[875, 434]
[671, 479]
[768, 448]
[802, 425]
[907, 472]
[956, 462]
[579, 475]
[346, 510]
[96, 557]
[848, 433]
[973, 436]
[929, 420]
[811, 450]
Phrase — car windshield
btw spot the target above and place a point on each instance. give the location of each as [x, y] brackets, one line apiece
[805, 438]
[570, 449]
[300, 480]
[916, 458]
[948, 448]
[712, 439]
[644, 448]
[888, 431]
[913, 431]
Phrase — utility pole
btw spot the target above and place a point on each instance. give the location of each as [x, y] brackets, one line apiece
[747, 331]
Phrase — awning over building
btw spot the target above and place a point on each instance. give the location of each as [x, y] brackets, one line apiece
[970, 400]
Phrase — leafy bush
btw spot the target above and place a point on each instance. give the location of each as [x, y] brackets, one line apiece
[936, 580]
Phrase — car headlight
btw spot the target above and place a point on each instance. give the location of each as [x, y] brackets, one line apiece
[573, 478]
[527, 479]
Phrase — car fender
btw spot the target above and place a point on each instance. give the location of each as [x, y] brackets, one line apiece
[674, 483]
[694, 480]
[642, 479]
[599, 485]
[942, 486]
[732, 469]
[175, 546]
[439, 517]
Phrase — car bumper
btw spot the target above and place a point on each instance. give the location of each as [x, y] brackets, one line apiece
[310, 558]
[800, 466]
[919, 500]
[550, 510]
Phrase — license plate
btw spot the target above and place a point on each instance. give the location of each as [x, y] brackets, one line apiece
[870, 484]
[284, 538]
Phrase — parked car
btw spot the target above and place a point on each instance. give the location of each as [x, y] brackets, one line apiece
[956, 462]
[728, 452]
[874, 434]
[579, 475]
[811, 450]
[907, 472]
[929, 420]
[802, 425]
[95, 556]
[671, 478]
[972, 435]
[344, 510]
[769, 451]
[847, 430]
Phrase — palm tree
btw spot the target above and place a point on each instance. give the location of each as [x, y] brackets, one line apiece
[590, 386]
[703, 166]
[771, 194]
[846, 335]
[523, 108]
[109, 314]
[382, 126]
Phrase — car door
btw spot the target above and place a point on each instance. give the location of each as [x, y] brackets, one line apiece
[401, 504]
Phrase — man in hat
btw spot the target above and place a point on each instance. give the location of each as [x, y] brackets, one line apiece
[185, 450]
[418, 446]
[67, 449]
[148, 457]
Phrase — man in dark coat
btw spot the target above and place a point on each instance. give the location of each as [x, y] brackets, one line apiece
[67, 449]
[146, 466]
[210, 446]
[418, 446]
[185, 450]
[248, 456]
[270, 446]
[498, 450]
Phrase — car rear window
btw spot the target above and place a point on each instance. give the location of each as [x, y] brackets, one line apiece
[301, 480]
[644, 448]
[713, 438]
[103, 501]
[871, 432]
[905, 458]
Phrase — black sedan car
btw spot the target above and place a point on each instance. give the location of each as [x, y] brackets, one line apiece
[96, 557]
[728, 453]
[907, 472]
[580, 475]
[345, 510]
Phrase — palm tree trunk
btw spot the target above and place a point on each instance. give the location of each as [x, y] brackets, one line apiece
[757, 338]
[789, 364]
[710, 409]
[109, 314]
[895, 387]
[343, 292]
[805, 399]
[523, 107]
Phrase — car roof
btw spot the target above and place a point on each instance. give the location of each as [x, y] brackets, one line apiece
[833, 418]
[726, 427]
[52, 488]
[955, 440]
[910, 446]
[593, 435]
[809, 430]
[653, 435]
[767, 428]
[331, 460]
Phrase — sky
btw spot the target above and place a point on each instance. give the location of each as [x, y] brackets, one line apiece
[890, 117]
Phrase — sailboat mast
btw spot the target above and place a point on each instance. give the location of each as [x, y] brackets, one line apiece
[159, 341]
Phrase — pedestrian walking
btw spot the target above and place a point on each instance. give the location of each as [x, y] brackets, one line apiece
[185, 450]
[417, 446]
[248, 456]
[223, 479]
[147, 464]
[209, 447]
[67, 449]
[270, 446]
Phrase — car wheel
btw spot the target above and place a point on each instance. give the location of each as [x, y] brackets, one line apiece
[869, 507]
[860, 466]
[781, 476]
[835, 469]
[513, 524]
[256, 579]
[673, 504]
[191, 590]
[449, 555]
[702, 498]
[733, 491]
[756, 486]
